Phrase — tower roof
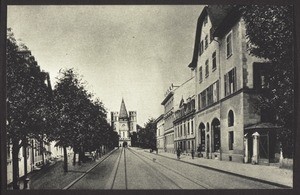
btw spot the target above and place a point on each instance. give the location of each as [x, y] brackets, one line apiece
[123, 111]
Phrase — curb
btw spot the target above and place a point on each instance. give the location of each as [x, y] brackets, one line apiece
[230, 173]
[80, 177]
[31, 175]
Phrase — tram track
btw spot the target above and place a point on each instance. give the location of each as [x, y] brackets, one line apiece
[130, 169]
[117, 169]
[201, 185]
[125, 168]
[263, 182]
[88, 171]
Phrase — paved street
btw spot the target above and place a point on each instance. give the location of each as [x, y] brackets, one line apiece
[133, 168]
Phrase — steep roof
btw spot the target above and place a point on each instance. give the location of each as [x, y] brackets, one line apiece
[216, 13]
[123, 111]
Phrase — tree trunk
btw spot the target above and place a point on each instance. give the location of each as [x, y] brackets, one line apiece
[81, 155]
[25, 163]
[32, 154]
[42, 152]
[65, 159]
[74, 156]
[15, 162]
[25, 159]
[100, 151]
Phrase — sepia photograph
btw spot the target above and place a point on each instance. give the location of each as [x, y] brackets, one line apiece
[143, 97]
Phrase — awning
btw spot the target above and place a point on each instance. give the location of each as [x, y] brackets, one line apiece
[262, 126]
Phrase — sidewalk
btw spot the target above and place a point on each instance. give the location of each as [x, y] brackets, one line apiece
[54, 177]
[270, 174]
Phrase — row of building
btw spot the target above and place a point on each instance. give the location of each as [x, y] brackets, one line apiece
[37, 153]
[217, 112]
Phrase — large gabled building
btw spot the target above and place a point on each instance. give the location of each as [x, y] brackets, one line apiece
[228, 81]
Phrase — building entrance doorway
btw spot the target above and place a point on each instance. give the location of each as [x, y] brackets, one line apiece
[215, 125]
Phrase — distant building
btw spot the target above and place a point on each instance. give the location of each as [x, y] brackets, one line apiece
[160, 139]
[124, 124]
[184, 125]
[168, 104]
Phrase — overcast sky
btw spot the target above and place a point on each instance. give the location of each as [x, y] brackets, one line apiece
[134, 52]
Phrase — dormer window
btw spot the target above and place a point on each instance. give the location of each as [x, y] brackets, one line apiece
[205, 21]
[229, 45]
[206, 68]
[200, 74]
[214, 61]
[211, 34]
[206, 41]
[201, 48]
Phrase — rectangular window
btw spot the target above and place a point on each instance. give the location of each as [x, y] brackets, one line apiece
[230, 140]
[192, 127]
[201, 48]
[200, 74]
[210, 95]
[230, 82]
[180, 130]
[214, 61]
[229, 45]
[193, 104]
[188, 131]
[199, 101]
[205, 21]
[206, 69]
[211, 34]
[261, 76]
[206, 41]
[203, 99]
[216, 91]
[8, 151]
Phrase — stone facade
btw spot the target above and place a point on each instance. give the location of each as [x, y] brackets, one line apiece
[168, 104]
[184, 128]
[160, 139]
[226, 84]
[34, 157]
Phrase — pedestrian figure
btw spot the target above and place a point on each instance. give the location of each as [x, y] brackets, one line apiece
[178, 153]
[199, 150]
[193, 153]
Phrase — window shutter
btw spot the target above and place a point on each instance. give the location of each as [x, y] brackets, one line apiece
[234, 79]
[225, 85]
[215, 93]
[211, 34]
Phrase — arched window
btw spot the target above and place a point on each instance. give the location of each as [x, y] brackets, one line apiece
[202, 136]
[230, 118]
[215, 126]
